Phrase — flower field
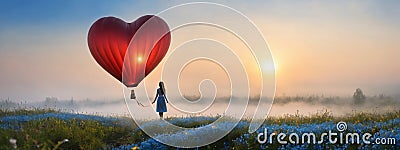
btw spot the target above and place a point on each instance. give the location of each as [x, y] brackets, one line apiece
[49, 129]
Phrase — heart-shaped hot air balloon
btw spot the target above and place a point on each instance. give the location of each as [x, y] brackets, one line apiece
[129, 51]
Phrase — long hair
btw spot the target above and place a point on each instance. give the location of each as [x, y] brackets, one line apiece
[162, 88]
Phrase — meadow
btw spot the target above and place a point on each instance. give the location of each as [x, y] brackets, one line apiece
[95, 124]
[54, 129]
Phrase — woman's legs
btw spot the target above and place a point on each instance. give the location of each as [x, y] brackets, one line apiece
[161, 114]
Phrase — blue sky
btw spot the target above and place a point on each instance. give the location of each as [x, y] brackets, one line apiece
[48, 11]
[43, 49]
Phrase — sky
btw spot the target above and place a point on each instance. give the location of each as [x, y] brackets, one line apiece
[319, 47]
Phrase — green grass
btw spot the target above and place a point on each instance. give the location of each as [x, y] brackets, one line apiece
[325, 116]
[48, 133]
[13, 112]
[82, 134]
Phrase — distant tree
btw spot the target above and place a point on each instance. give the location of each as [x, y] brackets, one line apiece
[358, 96]
[72, 100]
[51, 99]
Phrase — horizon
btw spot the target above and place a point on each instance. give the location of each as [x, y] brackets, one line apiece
[195, 97]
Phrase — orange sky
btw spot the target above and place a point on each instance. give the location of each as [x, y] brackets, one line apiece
[328, 48]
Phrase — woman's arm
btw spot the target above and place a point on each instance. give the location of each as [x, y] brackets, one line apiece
[155, 98]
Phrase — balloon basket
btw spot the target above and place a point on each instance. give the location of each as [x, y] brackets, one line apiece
[133, 96]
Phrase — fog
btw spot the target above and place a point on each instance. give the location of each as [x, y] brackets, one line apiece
[307, 105]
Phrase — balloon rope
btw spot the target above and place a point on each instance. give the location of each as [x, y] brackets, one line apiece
[140, 104]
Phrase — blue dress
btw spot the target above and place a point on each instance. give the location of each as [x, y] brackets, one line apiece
[161, 105]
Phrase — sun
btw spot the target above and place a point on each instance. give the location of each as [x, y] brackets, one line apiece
[269, 67]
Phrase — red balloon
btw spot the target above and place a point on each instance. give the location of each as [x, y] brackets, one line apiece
[109, 39]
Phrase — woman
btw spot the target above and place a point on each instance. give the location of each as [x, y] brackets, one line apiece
[161, 98]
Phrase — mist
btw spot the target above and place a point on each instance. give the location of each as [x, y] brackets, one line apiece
[283, 105]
